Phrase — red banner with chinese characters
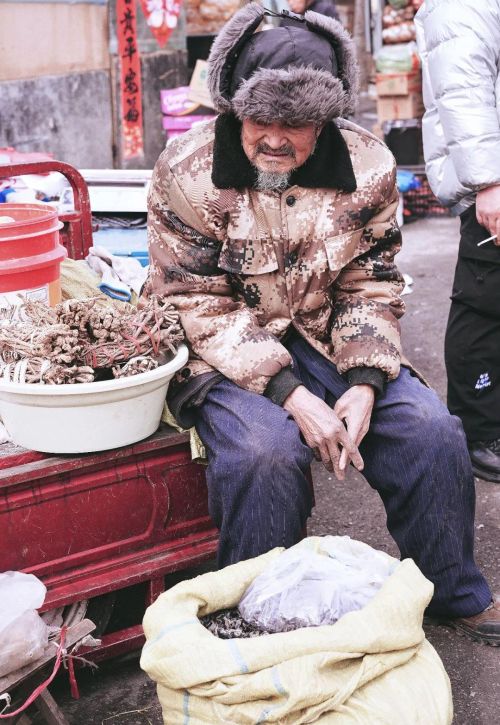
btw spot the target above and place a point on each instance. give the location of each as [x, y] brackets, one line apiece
[162, 17]
[130, 80]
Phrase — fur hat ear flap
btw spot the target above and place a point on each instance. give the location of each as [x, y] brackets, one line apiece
[345, 51]
[225, 51]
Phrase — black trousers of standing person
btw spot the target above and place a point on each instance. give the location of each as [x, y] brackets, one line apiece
[472, 344]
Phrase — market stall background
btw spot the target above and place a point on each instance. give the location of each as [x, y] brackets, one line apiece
[70, 104]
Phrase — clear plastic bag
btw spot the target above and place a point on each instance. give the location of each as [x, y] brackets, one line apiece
[398, 58]
[23, 633]
[315, 583]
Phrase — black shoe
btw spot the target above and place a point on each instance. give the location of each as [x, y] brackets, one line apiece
[485, 458]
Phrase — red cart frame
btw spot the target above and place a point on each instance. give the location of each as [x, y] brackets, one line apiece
[96, 523]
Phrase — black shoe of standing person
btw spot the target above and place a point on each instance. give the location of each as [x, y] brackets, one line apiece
[485, 457]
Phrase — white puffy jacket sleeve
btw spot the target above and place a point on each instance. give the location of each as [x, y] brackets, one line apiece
[459, 41]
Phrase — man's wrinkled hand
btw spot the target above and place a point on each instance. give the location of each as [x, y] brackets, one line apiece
[488, 210]
[323, 431]
[355, 408]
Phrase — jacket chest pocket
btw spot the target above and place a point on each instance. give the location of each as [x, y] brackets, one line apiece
[343, 248]
[248, 257]
[253, 268]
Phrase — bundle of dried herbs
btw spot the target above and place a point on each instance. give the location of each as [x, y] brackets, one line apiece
[136, 365]
[56, 342]
[84, 340]
[153, 330]
[39, 370]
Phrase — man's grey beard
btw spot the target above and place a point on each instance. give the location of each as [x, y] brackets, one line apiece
[273, 180]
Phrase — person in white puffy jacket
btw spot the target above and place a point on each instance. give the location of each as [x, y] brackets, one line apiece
[459, 41]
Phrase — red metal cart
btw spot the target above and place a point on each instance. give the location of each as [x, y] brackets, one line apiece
[92, 524]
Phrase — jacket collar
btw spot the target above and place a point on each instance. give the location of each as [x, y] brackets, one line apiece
[330, 166]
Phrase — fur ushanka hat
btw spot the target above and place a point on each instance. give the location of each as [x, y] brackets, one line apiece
[305, 73]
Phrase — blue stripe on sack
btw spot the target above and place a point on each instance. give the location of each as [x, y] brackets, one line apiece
[280, 690]
[170, 628]
[263, 716]
[185, 708]
[277, 683]
[237, 656]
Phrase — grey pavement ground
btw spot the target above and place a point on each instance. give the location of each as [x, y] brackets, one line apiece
[120, 694]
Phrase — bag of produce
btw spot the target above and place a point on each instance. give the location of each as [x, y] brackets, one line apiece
[373, 665]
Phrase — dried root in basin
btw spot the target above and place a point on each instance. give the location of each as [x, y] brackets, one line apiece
[136, 365]
[69, 343]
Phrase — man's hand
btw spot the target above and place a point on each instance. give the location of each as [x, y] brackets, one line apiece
[323, 431]
[488, 210]
[354, 408]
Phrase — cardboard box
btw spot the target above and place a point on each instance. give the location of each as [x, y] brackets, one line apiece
[176, 102]
[392, 108]
[398, 84]
[208, 16]
[198, 87]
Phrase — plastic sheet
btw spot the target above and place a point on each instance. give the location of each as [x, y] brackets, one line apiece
[23, 633]
[406, 181]
[315, 584]
[399, 58]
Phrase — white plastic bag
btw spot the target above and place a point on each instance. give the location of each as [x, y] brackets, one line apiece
[315, 584]
[23, 633]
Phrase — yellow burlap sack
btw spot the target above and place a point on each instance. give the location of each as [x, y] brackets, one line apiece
[374, 666]
[78, 281]
[198, 452]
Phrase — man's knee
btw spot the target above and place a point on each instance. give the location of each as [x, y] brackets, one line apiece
[273, 464]
[274, 446]
[436, 425]
[433, 425]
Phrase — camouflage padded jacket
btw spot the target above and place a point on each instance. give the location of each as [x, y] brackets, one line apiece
[242, 266]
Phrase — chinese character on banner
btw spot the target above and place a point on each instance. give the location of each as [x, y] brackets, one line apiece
[161, 17]
[130, 80]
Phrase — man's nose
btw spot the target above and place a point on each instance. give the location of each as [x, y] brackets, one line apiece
[275, 140]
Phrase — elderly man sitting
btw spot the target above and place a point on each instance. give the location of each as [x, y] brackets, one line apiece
[272, 230]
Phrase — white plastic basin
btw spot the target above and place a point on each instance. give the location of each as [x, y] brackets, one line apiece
[87, 417]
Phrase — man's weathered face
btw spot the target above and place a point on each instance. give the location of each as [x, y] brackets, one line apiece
[277, 148]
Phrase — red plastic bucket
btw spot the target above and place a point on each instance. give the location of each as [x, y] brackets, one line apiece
[30, 254]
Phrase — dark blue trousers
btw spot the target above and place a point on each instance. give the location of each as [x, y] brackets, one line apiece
[415, 456]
